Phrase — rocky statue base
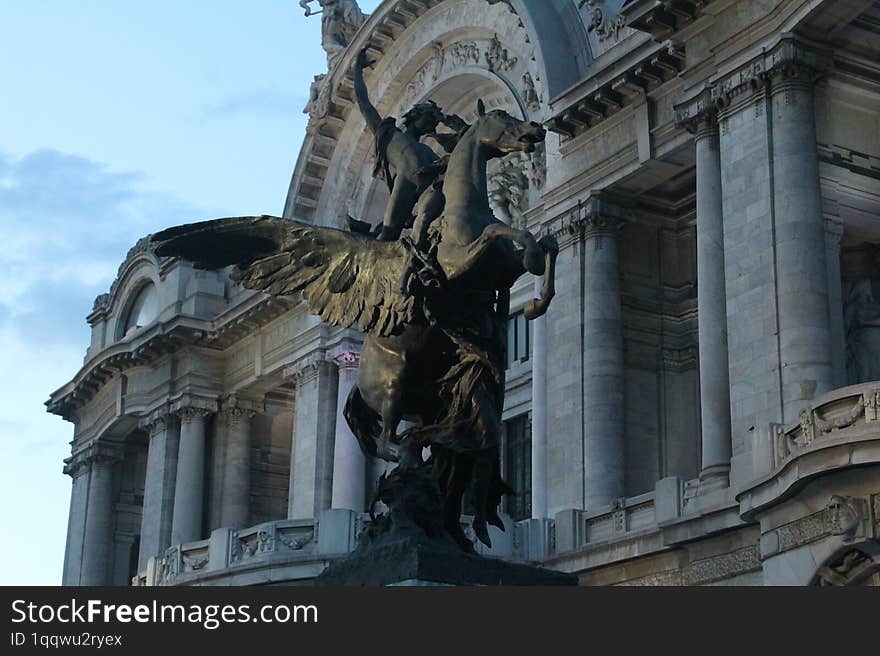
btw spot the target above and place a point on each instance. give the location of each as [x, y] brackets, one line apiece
[425, 562]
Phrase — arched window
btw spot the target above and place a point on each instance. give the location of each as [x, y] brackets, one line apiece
[142, 310]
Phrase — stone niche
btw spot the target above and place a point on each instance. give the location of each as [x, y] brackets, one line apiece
[860, 272]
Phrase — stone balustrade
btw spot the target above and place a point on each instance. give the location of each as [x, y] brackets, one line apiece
[622, 519]
[228, 550]
[298, 549]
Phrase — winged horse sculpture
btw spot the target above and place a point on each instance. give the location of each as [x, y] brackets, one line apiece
[436, 341]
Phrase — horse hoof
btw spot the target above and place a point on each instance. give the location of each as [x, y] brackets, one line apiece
[482, 532]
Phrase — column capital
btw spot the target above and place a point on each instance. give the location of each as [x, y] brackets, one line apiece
[791, 60]
[306, 368]
[234, 408]
[98, 451]
[698, 113]
[601, 215]
[156, 420]
[190, 407]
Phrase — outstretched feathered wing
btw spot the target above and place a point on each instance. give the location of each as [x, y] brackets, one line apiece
[347, 278]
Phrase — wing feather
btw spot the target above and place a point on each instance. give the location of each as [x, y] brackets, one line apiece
[348, 279]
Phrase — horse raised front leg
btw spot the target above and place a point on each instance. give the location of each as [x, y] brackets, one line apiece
[392, 413]
[533, 257]
[538, 307]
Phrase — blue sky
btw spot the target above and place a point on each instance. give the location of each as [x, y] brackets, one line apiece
[119, 118]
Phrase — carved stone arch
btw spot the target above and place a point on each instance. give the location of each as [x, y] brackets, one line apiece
[322, 191]
[455, 41]
[851, 565]
[561, 43]
[457, 92]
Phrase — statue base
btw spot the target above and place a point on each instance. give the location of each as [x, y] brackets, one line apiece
[426, 562]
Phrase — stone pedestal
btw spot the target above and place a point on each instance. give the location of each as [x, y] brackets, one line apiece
[422, 562]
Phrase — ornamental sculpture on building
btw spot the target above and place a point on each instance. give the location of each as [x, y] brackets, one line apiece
[340, 21]
[434, 309]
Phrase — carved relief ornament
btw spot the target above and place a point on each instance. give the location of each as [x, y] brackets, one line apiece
[790, 62]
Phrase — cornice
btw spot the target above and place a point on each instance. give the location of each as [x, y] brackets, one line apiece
[790, 60]
[623, 84]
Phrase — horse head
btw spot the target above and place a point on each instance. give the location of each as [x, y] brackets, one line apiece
[502, 134]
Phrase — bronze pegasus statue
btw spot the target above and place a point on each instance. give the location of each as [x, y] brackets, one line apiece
[434, 310]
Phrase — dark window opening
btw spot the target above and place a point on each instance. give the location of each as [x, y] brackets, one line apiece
[518, 339]
[518, 466]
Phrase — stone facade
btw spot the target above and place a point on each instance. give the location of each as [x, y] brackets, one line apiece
[703, 393]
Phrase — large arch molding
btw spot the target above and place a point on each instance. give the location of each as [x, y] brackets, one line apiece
[527, 51]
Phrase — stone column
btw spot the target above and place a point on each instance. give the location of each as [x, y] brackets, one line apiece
[349, 463]
[833, 237]
[314, 428]
[78, 470]
[603, 354]
[712, 307]
[236, 479]
[539, 412]
[164, 436]
[804, 324]
[189, 492]
[97, 536]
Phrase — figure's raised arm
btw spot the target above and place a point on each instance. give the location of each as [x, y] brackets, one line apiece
[371, 116]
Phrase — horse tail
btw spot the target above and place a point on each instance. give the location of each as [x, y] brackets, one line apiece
[364, 422]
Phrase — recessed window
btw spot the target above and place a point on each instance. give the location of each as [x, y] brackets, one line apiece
[518, 465]
[518, 339]
[142, 311]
